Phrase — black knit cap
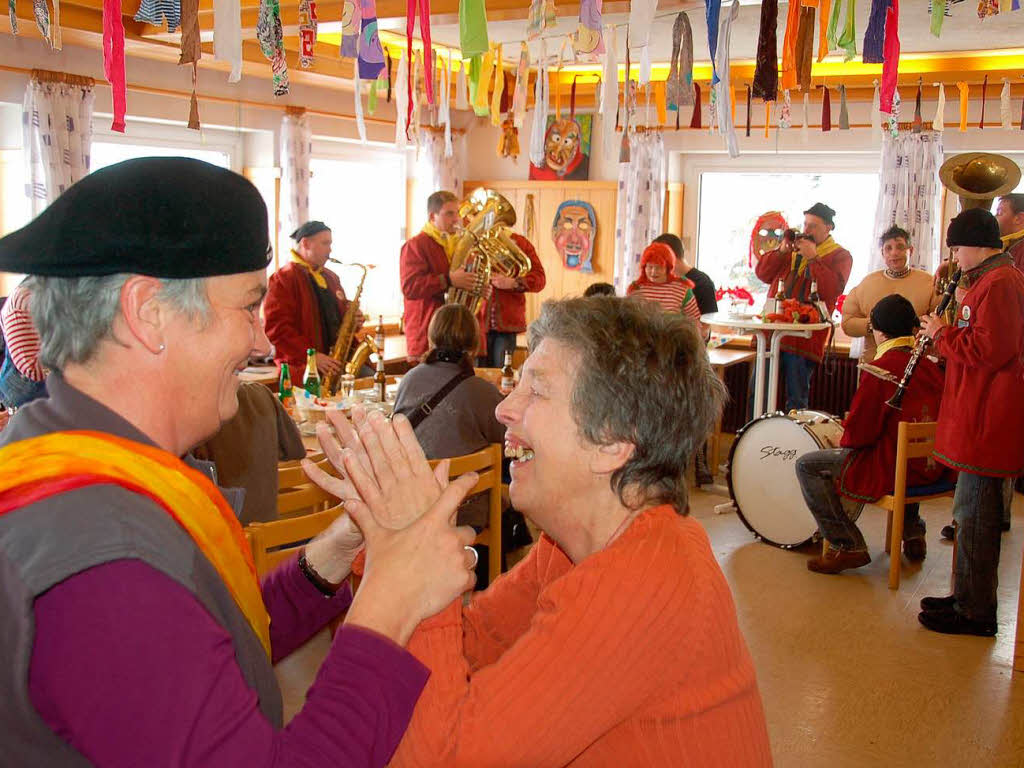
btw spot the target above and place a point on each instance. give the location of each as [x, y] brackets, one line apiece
[309, 229]
[975, 228]
[823, 212]
[894, 316]
[169, 217]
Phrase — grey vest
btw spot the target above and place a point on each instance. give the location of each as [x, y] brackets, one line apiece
[46, 542]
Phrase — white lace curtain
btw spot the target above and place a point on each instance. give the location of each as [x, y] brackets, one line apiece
[296, 147]
[434, 171]
[57, 135]
[909, 195]
[638, 218]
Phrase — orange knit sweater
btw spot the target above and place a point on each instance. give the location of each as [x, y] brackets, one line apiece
[632, 657]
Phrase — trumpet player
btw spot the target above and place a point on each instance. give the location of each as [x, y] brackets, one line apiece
[981, 419]
[306, 303]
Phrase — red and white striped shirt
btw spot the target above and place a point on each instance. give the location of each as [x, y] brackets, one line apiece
[20, 335]
[669, 295]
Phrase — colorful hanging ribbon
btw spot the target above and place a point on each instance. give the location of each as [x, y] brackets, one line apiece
[541, 16]
[519, 95]
[789, 78]
[917, 124]
[351, 28]
[964, 94]
[307, 33]
[786, 111]
[659, 101]
[766, 70]
[726, 100]
[847, 40]
[499, 87]
[461, 87]
[113, 60]
[712, 10]
[824, 11]
[410, 26]
[271, 39]
[891, 56]
[874, 37]
[695, 117]
[1005, 117]
[938, 13]
[371, 54]
[894, 115]
[679, 86]
[844, 113]
[483, 82]
[586, 40]
[805, 48]
[826, 109]
[940, 109]
[984, 87]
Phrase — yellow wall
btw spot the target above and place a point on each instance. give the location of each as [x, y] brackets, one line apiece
[547, 195]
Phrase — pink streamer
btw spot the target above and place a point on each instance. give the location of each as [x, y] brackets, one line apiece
[113, 60]
[891, 57]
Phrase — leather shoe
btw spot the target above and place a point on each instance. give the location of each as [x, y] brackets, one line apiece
[950, 622]
[836, 560]
[938, 603]
[948, 532]
[915, 549]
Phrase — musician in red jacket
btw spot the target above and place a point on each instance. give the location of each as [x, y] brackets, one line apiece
[425, 270]
[837, 482]
[981, 422]
[1010, 215]
[817, 258]
[306, 303]
[506, 309]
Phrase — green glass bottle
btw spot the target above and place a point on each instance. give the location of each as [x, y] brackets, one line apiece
[284, 389]
[311, 383]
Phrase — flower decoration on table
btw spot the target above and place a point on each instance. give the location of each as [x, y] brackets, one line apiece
[793, 311]
[839, 303]
[736, 294]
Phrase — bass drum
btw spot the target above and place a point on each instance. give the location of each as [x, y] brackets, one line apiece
[762, 473]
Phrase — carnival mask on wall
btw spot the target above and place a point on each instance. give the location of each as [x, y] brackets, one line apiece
[566, 150]
[767, 234]
[574, 231]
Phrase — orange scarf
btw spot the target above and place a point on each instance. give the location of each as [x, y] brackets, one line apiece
[41, 467]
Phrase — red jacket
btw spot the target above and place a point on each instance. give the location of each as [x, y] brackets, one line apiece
[981, 423]
[872, 427]
[506, 311]
[292, 317]
[831, 273]
[422, 260]
[1017, 252]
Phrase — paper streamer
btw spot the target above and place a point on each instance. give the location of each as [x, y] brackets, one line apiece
[401, 97]
[307, 33]
[824, 11]
[113, 60]
[227, 35]
[587, 41]
[874, 37]
[917, 124]
[789, 78]
[351, 28]
[472, 29]
[461, 101]
[609, 91]
[444, 104]
[805, 48]
[984, 87]
[940, 109]
[964, 94]
[357, 96]
[271, 39]
[938, 12]
[766, 69]
[847, 40]
[540, 109]
[541, 17]
[826, 109]
[499, 87]
[786, 111]
[410, 25]
[803, 128]
[480, 103]
[371, 53]
[695, 116]
[891, 64]
[1005, 117]
[679, 86]
[726, 124]
[519, 95]
[844, 113]
[893, 121]
[712, 10]
[660, 102]
[371, 98]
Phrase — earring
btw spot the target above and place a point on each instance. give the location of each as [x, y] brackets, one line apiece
[161, 348]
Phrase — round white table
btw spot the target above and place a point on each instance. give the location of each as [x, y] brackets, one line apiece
[760, 329]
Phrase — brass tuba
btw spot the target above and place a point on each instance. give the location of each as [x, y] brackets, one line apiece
[485, 246]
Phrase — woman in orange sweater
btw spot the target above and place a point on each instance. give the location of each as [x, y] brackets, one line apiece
[615, 642]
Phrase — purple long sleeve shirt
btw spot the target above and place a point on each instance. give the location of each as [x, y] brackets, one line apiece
[130, 669]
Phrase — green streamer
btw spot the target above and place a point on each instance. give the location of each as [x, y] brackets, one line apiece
[938, 12]
[848, 39]
[833, 24]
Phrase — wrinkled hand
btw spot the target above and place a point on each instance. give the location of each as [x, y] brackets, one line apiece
[931, 325]
[384, 472]
[460, 278]
[326, 364]
[331, 553]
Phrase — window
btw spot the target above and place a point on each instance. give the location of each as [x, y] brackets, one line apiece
[105, 153]
[730, 203]
[361, 197]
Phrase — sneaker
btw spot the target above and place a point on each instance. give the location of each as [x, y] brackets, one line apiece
[953, 623]
[915, 549]
[938, 603]
[836, 560]
[948, 532]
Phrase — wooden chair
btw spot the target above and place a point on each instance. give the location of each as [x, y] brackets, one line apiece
[297, 494]
[915, 440]
[487, 463]
[367, 382]
[277, 541]
[1018, 647]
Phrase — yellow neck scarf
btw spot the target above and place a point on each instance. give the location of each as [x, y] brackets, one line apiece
[1008, 239]
[446, 241]
[318, 274]
[899, 341]
[39, 467]
[823, 249]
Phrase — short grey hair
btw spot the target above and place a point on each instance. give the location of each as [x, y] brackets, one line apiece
[74, 314]
[643, 378]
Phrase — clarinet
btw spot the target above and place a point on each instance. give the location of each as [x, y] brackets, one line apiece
[923, 341]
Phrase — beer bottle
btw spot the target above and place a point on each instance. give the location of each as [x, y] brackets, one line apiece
[284, 390]
[823, 312]
[380, 381]
[311, 383]
[378, 337]
[508, 375]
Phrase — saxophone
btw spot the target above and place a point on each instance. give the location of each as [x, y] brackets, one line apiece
[346, 332]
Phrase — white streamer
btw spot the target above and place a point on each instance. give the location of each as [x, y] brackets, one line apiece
[227, 35]
[876, 115]
[444, 111]
[725, 123]
[940, 108]
[609, 93]
[804, 135]
[461, 99]
[1004, 106]
[540, 110]
[401, 102]
[357, 92]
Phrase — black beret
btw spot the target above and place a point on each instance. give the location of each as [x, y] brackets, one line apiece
[823, 212]
[976, 228]
[170, 217]
[309, 229]
[894, 316]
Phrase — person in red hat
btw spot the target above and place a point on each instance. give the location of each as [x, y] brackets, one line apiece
[981, 421]
[657, 283]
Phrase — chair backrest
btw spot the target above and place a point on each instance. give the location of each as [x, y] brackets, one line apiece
[278, 540]
[297, 494]
[493, 375]
[915, 440]
[487, 464]
[366, 382]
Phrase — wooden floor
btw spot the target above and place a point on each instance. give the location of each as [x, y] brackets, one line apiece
[847, 675]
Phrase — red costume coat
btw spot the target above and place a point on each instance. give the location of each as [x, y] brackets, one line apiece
[1017, 253]
[831, 273]
[506, 310]
[292, 317]
[981, 422]
[421, 263]
[872, 428]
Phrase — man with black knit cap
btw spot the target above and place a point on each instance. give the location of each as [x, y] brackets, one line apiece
[306, 303]
[815, 257]
[837, 482]
[981, 423]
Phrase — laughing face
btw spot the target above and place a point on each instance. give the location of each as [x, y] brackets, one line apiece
[573, 235]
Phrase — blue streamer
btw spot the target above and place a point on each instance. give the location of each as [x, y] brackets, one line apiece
[712, 10]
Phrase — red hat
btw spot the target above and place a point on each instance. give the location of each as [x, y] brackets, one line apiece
[658, 253]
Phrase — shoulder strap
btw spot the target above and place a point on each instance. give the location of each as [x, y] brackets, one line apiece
[424, 409]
